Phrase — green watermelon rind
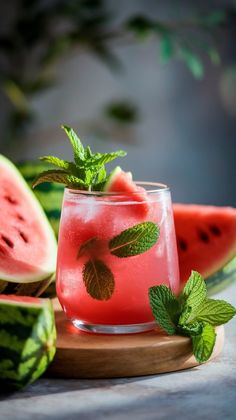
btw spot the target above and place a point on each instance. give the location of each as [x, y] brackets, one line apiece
[48, 268]
[50, 195]
[50, 290]
[113, 175]
[27, 341]
[36, 288]
[222, 278]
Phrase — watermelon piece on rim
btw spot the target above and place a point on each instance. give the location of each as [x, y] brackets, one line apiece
[27, 243]
[206, 239]
[122, 182]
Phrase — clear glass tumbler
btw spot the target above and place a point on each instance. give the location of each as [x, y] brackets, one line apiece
[112, 248]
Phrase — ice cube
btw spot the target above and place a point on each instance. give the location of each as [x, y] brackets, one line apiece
[85, 209]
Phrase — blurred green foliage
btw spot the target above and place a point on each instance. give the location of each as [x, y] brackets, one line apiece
[38, 32]
[123, 112]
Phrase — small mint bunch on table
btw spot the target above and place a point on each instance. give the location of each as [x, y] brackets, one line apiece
[191, 314]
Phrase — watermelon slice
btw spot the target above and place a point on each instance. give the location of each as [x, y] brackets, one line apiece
[206, 238]
[27, 339]
[49, 194]
[122, 182]
[27, 243]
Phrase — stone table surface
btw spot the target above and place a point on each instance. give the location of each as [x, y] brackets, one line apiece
[205, 392]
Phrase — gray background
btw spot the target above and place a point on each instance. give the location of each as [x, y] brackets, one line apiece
[185, 136]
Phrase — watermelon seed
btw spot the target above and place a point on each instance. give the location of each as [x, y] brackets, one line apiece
[23, 236]
[7, 241]
[10, 199]
[19, 217]
[203, 236]
[215, 230]
[182, 244]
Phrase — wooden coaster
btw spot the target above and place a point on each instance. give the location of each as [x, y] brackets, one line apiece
[84, 355]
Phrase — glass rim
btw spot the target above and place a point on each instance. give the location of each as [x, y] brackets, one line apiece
[155, 188]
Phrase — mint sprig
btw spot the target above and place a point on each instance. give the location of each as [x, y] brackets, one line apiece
[87, 172]
[191, 314]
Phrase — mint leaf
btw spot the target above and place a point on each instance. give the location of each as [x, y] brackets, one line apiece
[100, 159]
[165, 308]
[87, 246]
[135, 240]
[69, 167]
[167, 49]
[193, 62]
[59, 176]
[100, 176]
[77, 146]
[98, 280]
[92, 178]
[203, 344]
[60, 163]
[215, 312]
[87, 153]
[99, 179]
[52, 175]
[192, 296]
[75, 182]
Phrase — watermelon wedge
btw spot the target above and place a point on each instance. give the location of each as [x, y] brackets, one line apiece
[27, 339]
[206, 239]
[27, 243]
[122, 182]
[49, 194]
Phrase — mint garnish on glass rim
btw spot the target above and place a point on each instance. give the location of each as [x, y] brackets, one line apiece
[191, 313]
[87, 172]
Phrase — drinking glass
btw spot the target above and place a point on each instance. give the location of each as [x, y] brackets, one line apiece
[100, 287]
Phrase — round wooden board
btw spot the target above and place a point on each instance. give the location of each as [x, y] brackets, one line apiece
[84, 355]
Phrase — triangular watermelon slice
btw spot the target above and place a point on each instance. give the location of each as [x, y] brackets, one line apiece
[27, 243]
[206, 238]
[122, 182]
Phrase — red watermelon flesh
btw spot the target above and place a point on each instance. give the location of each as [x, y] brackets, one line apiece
[206, 238]
[27, 243]
[122, 182]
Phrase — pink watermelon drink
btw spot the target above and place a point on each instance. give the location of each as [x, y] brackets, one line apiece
[116, 240]
[88, 223]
